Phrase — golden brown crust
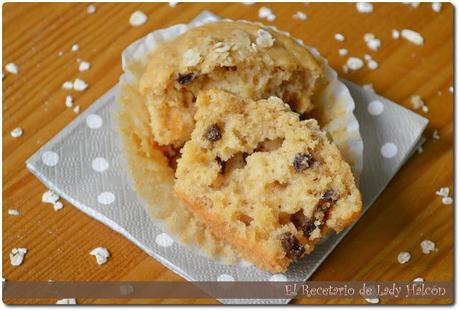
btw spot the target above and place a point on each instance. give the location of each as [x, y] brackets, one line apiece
[251, 252]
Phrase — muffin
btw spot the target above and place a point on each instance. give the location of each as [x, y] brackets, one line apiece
[264, 181]
[241, 58]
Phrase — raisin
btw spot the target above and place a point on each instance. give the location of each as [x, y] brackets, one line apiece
[301, 221]
[302, 161]
[294, 250]
[186, 78]
[327, 200]
[308, 228]
[330, 195]
[213, 133]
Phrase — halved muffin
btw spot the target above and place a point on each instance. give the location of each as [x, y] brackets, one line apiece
[264, 181]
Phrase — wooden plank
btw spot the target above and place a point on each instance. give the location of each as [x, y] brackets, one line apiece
[406, 213]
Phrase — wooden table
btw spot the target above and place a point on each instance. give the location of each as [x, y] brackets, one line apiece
[407, 212]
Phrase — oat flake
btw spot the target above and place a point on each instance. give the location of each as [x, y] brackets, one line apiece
[17, 132]
[354, 63]
[12, 68]
[364, 7]
[343, 52]
[67, 301]
[404, 257]
[137, 18]
[101, 254]
[69, 101]
[427, 246]
[412, 36]
[84, 66]
[13, 212]
[79, 85]
[300, 16]
[91, 9]
[373, 300]
[17, 256]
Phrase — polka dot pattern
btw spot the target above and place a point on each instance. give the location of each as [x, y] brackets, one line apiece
[389, 150]
[106, 198]
[375, 108]
[50, 158]
[164, 240]
[93, 121]
[100, 164]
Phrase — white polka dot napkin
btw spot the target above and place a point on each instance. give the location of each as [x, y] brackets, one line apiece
[83, 164]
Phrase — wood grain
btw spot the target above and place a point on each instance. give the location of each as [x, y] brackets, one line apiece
[406, 213]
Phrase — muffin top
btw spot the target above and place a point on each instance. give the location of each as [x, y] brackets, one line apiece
[241, 58]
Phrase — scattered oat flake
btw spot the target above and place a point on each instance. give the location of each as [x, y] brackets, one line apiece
[13, 212]
[101, 254]
[300, 16]
[373, 300]
[343, 52]
[138, 18]
[68, 85]
[84, 66]
[264, 39]
[418, 103]
[91, 9]
[67, 301]
[339, 37]
[447, 200]
[75, 47]
[172, 4]
[412, 36]
[266, 13]
[12, 68]
[443, 192]
[372, 64]
[76, 109]
[372, 41]
[60, 53]
[17, 256]
[69, 101]
[58, 206]
[395, 34]
[427, 246]
[354, 63]
[418, 280]
[79, 85]
[17, 132]
[50, 197]
[404, 257]
[436, 6]
[364, 7]
[451, 89]
[436, 135]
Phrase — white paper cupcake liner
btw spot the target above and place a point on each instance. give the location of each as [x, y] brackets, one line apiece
[334, 103]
